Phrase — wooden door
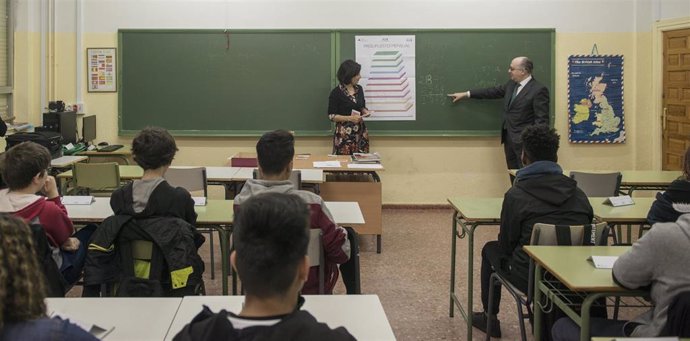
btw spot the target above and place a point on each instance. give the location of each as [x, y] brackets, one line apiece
[676, 98]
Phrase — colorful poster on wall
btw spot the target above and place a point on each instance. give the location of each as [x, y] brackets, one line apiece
[388, 76]
[595, 99]
[101, 69]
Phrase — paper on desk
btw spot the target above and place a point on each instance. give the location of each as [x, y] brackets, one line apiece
[364, 166]
[603, 262]
[99, 331]
[199, 201]
[78, 200]
[326, 164]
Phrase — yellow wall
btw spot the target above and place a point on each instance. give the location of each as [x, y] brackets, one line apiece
[418, 170]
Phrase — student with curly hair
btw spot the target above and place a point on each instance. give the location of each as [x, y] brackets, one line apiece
[540, 194]
[22, 307]
[153, 149]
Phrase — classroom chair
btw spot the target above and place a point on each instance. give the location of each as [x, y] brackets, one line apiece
[600, 185]
[316, 256]
[98, 179]
[545, 234]
[193, 179]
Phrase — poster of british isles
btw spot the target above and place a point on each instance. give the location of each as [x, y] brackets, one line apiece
[595, 99]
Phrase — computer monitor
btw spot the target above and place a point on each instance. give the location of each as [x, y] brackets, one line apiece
[89, 129]
[68, 126]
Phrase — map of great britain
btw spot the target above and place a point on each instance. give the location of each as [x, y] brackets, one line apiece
[596, 99]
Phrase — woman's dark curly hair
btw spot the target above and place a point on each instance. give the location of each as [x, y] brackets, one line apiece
[21, 280]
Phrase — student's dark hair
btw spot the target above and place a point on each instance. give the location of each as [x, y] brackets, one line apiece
[153, 147]
[348, 70]
[22, 292]
[540, 143]
[527, 64]
[686, 165]
[275, 150]
[270, 238]
[22, 162]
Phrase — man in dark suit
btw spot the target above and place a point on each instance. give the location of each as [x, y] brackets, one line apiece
[526, 102]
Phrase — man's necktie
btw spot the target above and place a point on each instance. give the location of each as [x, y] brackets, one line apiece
[515, 91]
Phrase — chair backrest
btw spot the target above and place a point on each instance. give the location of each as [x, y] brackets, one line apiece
[598, 184]
[316, 256]
[295, 177]
[679, 315]
[97, 177]
[590, 234]
[192, 179]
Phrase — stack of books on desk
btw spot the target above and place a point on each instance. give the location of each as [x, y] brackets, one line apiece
[366, 158]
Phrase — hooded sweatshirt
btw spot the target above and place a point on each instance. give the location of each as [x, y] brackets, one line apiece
[36, 209]
[669, 205]
[541, 194]
[660, 260]
[334, 238]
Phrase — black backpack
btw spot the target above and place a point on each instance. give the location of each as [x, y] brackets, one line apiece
[48, 139]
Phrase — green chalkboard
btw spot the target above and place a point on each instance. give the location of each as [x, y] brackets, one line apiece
[245, 82]
[449, 61]
[212, 82]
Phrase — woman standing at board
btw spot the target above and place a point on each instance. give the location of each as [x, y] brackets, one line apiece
[346, 107]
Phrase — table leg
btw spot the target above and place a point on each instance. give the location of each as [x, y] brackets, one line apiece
[378, 243]
[225, 257]
[452, 263]
[536, 301]
[470, 278]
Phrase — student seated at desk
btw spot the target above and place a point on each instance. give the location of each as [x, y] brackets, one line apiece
[153, 149]
[271, 238]
[25, 170]
[22, 294]
[540, 194]
[659, 260]
[275, 151]
[673, 202]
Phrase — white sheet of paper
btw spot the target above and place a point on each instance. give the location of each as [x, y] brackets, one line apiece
[326, 164]
[364, 166]
[604, 262]
[199, 201]
[78, 200]
[666, 338]
[622, 200]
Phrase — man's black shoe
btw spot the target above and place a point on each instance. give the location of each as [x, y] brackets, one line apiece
[479, 322]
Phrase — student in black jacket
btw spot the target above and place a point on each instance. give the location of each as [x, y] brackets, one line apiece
[540, 194]
[675, 201]
[271, 237]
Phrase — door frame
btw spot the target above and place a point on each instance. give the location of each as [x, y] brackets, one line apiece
[658, 29]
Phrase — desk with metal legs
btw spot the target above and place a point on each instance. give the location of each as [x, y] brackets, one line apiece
[469, 213]
[569, 266]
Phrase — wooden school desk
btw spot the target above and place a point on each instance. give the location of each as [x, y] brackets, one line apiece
[569, 265]
[134, 318]
[67, 161]
[632, 180]
[362, 315]
[217, 214]
[367, 194]
[124, 154]
[469, 213]
[624, 215]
